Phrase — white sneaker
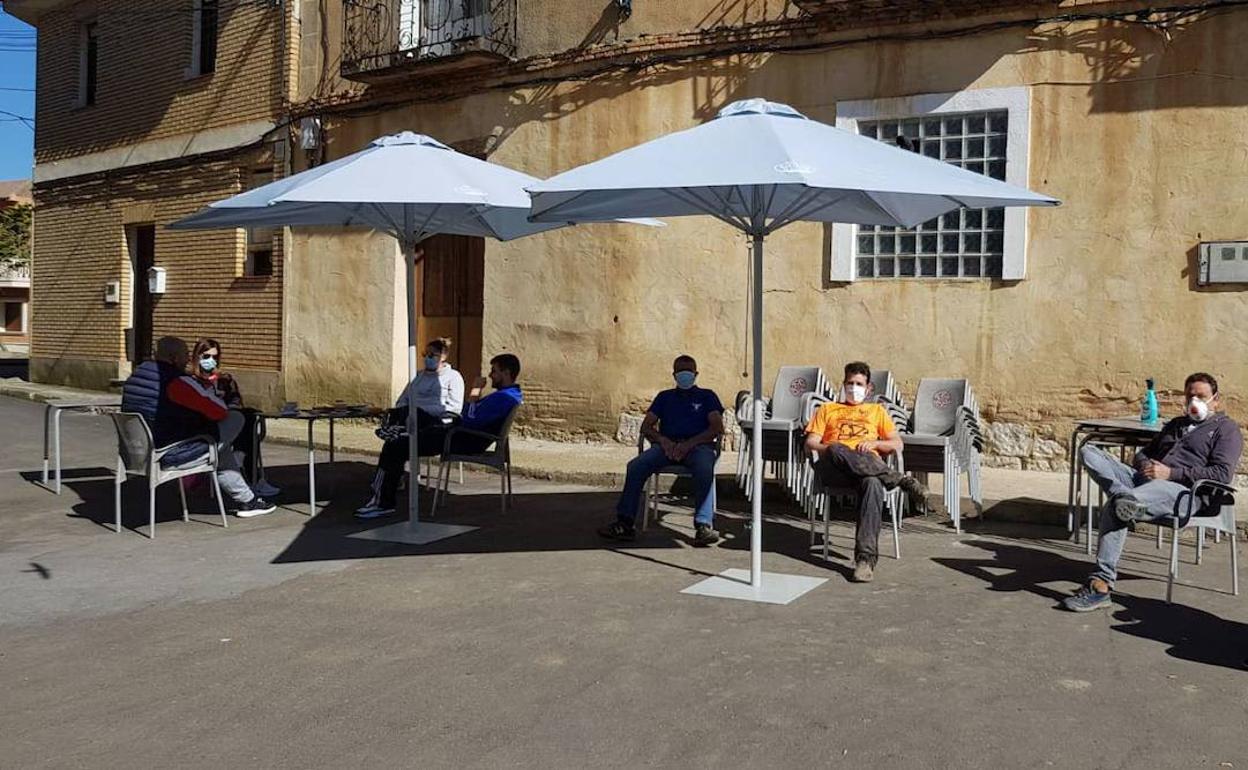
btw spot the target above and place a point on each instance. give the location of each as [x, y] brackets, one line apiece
[373, 512]
[265, 489]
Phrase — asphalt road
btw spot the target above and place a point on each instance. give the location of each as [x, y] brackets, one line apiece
[283, 642]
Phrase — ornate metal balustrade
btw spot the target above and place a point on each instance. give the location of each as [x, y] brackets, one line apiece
[391, 39]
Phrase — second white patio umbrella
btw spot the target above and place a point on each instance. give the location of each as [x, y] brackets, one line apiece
[758, 167]
[412, 187]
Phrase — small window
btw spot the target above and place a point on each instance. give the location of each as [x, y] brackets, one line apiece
[259, 258]
[88, 63]
[207, 17]
[14, 317]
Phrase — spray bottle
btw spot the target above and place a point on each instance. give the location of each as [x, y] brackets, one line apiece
[1148, 407]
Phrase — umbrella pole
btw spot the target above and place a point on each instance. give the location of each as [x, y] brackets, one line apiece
[413, 487]
[756, 444]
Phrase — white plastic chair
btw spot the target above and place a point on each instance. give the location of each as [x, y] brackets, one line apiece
[1207, 505]
[944, 437]
[497, 456]
[818, 497]
[781, 425]
[138, 456]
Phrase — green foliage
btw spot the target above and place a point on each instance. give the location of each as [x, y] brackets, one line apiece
[15, 241]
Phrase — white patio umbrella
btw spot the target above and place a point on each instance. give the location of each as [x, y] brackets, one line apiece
[760, 166]
[412, 187]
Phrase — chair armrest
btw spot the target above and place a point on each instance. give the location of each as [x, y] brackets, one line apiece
[211, 441]
[462, 431]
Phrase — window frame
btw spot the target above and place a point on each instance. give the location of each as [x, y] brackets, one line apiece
[88, 62]
[1015, 101]
[253, 242]
[22, 308]
[198, 13]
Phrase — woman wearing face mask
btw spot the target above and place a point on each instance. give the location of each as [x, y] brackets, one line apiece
[437, 394]
[206, 368]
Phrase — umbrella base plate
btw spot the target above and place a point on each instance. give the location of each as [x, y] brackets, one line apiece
[422, 533]
[776, 588]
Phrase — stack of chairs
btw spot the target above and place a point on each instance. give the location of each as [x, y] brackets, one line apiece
[783, 426]
[944, 436]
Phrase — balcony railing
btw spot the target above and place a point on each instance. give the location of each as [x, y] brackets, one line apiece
[391, 39]
[15, 275]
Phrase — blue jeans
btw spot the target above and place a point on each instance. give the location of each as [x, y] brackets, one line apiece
[700, 461]
[1119, 480]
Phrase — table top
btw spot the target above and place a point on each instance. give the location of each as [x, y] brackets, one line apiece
[1129, 424]
[326, 413]
[71, 403]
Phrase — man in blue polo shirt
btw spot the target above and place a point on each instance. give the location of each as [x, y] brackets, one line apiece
[681, 425]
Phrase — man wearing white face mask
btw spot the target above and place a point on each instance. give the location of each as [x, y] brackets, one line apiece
[849, 436]
[1202, 444]
[682, 425]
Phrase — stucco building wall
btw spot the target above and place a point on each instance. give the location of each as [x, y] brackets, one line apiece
[1136, 134]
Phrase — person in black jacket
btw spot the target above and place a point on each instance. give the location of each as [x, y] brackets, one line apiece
[1202, 444]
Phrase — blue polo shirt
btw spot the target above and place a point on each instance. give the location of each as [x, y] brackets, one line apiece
[684, 413]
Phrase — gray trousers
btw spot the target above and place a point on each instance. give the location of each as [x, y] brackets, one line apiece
[1119, 480]
[229, 471]
[866, 475]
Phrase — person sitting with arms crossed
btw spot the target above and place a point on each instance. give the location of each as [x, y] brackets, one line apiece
[682, 424]
[1202, 444]
[849, 438]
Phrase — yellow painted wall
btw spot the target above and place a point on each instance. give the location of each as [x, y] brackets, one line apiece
[1141, 138]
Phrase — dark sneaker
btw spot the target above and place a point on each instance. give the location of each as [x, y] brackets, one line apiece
[374, 511]
[619, 530]
[256, 506]
[1089, 598]
[1128, 508]
[863, 572]
[704, 536]
[916, 491]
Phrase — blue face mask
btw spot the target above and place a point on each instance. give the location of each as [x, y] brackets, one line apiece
[208, 364]
[685, 380]
[431, 362]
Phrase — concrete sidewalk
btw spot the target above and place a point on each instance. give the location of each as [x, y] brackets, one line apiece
[1036, 497]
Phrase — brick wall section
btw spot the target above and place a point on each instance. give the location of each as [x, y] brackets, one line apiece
[143, 91]
[81, 245]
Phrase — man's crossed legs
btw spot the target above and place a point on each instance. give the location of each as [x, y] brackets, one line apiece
[1130, 497]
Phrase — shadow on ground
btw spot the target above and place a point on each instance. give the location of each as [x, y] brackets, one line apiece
[1191, 634]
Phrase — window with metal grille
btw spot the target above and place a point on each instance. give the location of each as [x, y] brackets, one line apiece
[968, 243]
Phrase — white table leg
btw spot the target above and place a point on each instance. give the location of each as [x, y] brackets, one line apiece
[56, 447]
[311, 472]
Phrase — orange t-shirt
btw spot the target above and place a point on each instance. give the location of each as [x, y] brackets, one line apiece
[851, 424]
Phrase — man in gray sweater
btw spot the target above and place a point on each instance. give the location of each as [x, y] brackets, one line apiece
[1202, 444]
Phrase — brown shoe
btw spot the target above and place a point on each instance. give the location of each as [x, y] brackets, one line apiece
[863, 572]
[916, 491]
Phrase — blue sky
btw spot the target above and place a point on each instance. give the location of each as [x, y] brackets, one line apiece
[17, 97]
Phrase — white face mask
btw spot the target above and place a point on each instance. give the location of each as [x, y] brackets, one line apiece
[854, 394]
[1197, 409]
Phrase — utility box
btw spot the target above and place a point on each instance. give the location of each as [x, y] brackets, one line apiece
[155, 280]
[1223, 262]
[112, 293]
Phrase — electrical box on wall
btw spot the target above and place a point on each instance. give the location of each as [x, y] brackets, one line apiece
[155, 280]
[1223, 262]
[112, 293]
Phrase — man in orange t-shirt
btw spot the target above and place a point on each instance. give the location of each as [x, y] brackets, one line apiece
[849, 438]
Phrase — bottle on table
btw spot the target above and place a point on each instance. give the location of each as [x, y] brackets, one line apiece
[1148, 407]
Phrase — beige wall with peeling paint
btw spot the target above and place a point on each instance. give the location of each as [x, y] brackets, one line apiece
[1144, 140]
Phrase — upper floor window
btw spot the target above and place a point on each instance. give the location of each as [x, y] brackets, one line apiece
[985, 131]
[258, 260]
[205, 32]
[88, 63]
